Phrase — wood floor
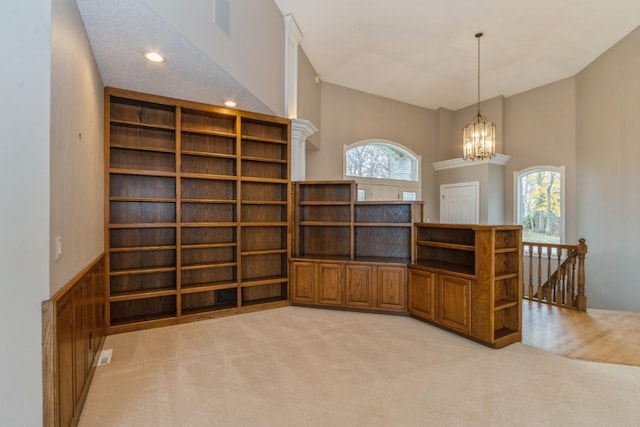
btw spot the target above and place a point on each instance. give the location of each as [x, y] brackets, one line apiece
[597, 335]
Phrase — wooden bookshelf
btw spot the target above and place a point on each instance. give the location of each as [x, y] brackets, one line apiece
[350, 254]
[197, 210]
[468, 279]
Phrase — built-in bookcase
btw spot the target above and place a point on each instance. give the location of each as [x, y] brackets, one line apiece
[197, 209]
[468, 278]
[348, 253]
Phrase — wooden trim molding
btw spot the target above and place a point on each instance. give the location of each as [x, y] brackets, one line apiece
[73, 332]
[48, 363]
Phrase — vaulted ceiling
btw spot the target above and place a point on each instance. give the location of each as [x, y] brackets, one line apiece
[422, 52]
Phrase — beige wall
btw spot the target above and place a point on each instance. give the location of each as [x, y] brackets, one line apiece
[445, 149]
[540, 131]
[607, 153]
[77, 153]
[309, 95]
[253, 52]
[25, 85]
[349, 116]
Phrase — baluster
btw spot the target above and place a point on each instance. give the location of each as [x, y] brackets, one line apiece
[563, 283]
[548, 291]
[556, 280]
[539, 294]
[572, 277]
[581, 299]
[530, 294]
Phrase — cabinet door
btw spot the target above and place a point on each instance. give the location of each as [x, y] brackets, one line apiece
[422, 294]
[359, 285]
[454, 302]
[329, 284]
[392, 288]
[302, 282]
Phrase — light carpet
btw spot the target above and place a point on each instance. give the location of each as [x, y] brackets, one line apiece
[297, 366]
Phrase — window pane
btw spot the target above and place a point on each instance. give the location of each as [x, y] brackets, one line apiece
[381, 161]
[540, 205]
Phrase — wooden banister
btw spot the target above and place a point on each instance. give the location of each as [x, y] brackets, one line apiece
[552, 268]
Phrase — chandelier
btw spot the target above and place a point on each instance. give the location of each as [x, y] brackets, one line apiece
[479, 138]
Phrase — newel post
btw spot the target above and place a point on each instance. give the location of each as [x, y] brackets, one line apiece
[581, 299]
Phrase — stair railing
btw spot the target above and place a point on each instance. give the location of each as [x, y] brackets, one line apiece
[550, 274]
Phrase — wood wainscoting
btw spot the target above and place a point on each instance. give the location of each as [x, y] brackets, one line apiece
[73, 333]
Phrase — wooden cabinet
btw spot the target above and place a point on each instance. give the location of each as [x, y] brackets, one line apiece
[316, 283]
[422, 294]
[349, 284]
[454, 299]
[391, 287]
[359, 285]
[371, 241]
[468, 278]
[303, 282]
[329, 279]
[197, 209]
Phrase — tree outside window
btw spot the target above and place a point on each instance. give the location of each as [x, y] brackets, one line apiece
[540, 210]
[383, 170]
[380, 161]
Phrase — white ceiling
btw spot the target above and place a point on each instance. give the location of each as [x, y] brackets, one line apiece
[422, 52]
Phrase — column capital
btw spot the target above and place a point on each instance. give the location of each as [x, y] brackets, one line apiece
[301, 129]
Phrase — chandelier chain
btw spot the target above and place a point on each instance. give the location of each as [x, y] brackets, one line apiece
[478, 37]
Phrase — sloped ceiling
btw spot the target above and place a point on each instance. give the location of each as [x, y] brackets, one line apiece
[121, 30]
[422, 52]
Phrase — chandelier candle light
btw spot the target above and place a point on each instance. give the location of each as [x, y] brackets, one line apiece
[479, 139]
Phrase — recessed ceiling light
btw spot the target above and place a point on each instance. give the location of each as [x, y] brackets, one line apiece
[230, 103]
[154, 57]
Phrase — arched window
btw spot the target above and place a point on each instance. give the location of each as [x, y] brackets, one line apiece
[540, 203]
[384, 170]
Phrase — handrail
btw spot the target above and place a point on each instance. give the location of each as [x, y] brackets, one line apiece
[551, 272]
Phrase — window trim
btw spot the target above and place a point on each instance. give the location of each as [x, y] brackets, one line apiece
[517, 205]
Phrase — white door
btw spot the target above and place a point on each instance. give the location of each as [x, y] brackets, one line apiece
[460, 203]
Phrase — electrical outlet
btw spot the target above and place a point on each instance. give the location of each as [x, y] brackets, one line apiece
[58, 247]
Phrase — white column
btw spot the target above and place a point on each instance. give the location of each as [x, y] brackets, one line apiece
[300, 130]
[293, 35]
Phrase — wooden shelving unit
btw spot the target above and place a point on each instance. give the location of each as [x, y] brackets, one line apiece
[348, 253]
[197, 210]
[468, 278]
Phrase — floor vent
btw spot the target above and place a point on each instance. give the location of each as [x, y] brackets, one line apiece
[105, 357]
